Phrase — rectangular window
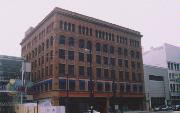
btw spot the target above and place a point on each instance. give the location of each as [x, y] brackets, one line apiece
[128, 88]
[137, 55]
[169, 65]
[81, 85]
[125, 52]
[113, 74]
[112, 61]
[121, 87]
[120, 62]
[106, 73]
[99, 86]
[105, 59]
[107, 86]
[126, 76]
[61, 24]
[133, 64]
[138, 65]
[71, 55]
[119, 51]
[98, 72]
[81, 70]
[156, 78]
[140, 88]
[134, 88]
[62, 84]
[81, 57]
[126, 63]
[178, 67]
[121, 76]
[62, 53]
[62, 69]
[89, 58]
[98, 59]
[133, 76]
[62, 40]
[105, 48]
[51, 55]
[71, 70]
[73, 28]
[72, 85]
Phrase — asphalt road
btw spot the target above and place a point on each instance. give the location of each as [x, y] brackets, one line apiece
[155, 112]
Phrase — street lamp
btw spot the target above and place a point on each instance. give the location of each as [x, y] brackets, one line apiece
[114, 94]
[91, 85]
[67, 91]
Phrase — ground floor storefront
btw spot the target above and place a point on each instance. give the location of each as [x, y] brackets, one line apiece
[101, 104]
[80, 102]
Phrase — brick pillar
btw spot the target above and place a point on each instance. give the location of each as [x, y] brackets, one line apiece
[55, 101]
[55, 83]
[106, 108]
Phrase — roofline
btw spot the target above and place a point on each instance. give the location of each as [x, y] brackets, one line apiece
[64, 12]
[5, 57]
[157, 67]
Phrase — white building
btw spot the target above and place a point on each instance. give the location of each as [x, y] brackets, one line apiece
[156, 86]
[167, 56]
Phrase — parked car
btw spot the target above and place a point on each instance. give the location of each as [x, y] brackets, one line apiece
[176, 108]
[170, 107]
[157, 108]
[164, 108]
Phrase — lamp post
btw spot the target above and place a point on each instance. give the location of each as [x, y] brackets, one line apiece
[67, 92]
[91, 85]
[114, 94]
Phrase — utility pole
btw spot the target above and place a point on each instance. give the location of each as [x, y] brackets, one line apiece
[67, 92]
[91, 82]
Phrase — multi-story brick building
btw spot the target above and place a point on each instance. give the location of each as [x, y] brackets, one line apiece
[57, 48]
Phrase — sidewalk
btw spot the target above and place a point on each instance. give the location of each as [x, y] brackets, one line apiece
[136, 112]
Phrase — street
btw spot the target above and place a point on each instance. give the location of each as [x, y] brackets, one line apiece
[154, 112]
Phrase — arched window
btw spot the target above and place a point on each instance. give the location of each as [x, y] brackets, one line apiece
[39, 49]
[81, 43]
[98, 47]
[65, 26]
[89, 45]
[62, 39]
[47, 43]
[42, 46]
[71, 41]
[51, 40]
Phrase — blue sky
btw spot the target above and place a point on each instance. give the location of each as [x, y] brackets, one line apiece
[157, 20]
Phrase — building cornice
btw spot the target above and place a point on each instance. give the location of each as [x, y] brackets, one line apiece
[83, 18]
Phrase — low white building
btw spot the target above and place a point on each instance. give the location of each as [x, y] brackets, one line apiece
[156, 86]
[167, 56]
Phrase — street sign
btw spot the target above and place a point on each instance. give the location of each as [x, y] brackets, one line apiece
[116, 107]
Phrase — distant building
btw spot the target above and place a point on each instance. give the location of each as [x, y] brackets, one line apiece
[156, 86]
[167, 56]
[10, 68]
[59, 50]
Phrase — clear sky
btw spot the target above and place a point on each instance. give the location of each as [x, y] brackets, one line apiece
[157, 20]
